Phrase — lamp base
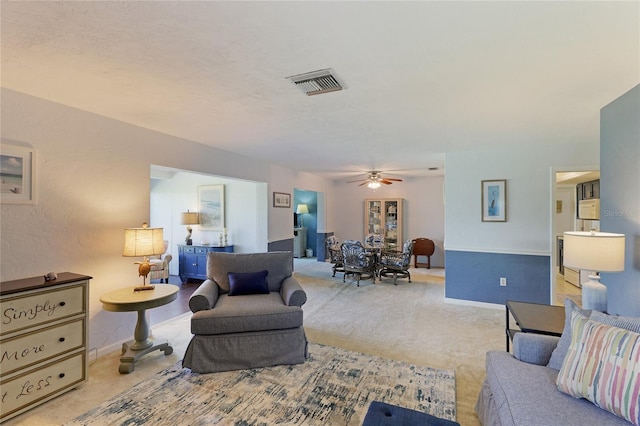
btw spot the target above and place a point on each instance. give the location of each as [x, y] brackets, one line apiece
[594, 294]
[188, 241]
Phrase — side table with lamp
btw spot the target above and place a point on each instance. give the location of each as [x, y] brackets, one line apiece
[144, 242]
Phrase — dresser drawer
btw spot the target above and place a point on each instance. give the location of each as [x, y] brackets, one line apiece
[202, 250]
[190, 249]
[33, 347]
[39, 384]
[24, 311]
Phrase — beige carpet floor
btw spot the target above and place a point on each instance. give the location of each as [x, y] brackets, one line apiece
[407, 322]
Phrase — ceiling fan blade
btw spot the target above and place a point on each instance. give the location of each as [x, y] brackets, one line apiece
[385, 181]
[393, 179]
[359, 180]
[364, 183]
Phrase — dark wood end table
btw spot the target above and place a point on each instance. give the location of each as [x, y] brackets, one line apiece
[534, 318]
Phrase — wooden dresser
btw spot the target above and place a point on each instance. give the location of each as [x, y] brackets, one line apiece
[43, 340]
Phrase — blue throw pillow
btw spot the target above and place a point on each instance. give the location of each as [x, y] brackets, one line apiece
[248, 283]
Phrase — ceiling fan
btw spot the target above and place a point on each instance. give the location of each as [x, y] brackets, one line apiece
[375, 179]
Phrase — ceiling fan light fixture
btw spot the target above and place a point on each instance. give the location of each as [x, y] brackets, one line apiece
[374, 184]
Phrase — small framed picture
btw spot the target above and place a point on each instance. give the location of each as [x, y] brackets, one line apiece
[494, 200]
[17, 171]
[281, 199]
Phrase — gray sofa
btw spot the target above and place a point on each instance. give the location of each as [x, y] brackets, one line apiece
[233, 332]
[521, 390]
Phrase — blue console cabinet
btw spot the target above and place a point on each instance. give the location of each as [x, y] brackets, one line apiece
[193, 260]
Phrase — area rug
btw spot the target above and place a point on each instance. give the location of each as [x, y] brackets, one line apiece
[334, 387]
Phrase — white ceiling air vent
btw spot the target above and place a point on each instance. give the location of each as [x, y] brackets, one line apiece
[317, 82]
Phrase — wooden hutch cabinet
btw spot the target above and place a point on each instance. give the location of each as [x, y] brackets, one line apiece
[384, 216]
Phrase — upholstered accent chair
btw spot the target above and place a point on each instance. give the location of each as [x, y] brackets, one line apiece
[335, 254]
[160, 265]
[247, 314]
[357, 261]
[396, 263]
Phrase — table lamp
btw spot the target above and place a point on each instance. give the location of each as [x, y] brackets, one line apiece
[594, 251]
[302, 209]
[189, 218]
[144, 242]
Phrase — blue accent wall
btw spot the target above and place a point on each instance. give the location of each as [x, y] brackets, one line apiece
[321, 250]
[620, 196]
[476, 276]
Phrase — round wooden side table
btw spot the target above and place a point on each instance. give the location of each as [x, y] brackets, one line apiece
[127, 300]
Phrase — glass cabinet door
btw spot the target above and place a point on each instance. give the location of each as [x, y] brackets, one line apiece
[384, 217]
[391, 224]
[374, 222]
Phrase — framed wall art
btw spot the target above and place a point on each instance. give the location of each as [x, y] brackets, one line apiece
[211, 207]
[281, 199]
[494, 200]
[17, 171]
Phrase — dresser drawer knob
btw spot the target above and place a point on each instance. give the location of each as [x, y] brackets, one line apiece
[62, 339]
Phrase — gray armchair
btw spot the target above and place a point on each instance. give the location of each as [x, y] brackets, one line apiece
[235, 330]
[396, 263]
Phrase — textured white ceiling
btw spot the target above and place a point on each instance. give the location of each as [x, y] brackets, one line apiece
[423, 78]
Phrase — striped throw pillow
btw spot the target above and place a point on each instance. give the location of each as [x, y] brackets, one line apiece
[603, 366]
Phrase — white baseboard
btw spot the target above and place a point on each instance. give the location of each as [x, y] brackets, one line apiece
[473, 303]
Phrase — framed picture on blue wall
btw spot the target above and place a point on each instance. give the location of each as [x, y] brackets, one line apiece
[494, 200]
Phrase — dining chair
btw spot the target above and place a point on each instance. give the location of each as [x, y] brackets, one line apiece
[357, 261]
[374, 241]
[396, 263]
[335, 254]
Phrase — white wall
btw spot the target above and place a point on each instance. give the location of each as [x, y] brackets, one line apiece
[529, 179]
[423, 209]
[565, 220]
[93, 181]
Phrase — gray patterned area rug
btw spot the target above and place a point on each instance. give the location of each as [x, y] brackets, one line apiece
[334, 387]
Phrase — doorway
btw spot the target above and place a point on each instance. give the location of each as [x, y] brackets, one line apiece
[565, 282]
[174, 191]
[307, 223]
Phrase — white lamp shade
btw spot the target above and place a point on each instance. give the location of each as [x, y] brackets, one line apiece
[302, 209]
[190, 218]
[594, 251]
[143, 242]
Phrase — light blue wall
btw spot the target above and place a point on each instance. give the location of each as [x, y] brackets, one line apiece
[478, 253]
[620, 200]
